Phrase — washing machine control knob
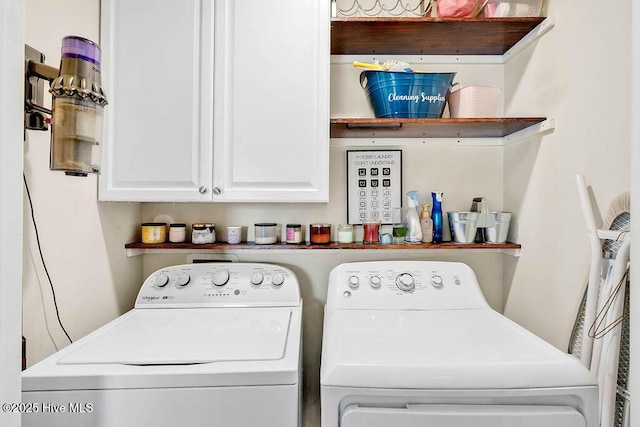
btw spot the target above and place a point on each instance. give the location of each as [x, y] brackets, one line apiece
[183, 279]
[436, 281]
[405, 282]
[257, 278]
[277, 279]
[375, 282]
[161, 280]
[220, 277]
[354, 282]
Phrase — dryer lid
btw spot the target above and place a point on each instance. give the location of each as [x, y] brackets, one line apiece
[445, 349]
[187, 336]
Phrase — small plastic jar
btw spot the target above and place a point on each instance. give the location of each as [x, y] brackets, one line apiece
[154, 232]
[265, 233]
[320, 233]
[202, 234]
[294, 233]
[386, 238]
[345, 233]
[177, 232]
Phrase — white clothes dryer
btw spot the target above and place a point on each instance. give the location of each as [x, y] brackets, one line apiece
[205, 345]
[414, 343]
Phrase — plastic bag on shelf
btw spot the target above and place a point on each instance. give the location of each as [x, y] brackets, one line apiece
[459, 8]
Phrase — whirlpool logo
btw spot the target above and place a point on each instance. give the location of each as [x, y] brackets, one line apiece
[423, 97]
[150, 298]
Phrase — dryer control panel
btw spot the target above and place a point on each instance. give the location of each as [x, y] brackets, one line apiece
[412, 285]
[231, 284]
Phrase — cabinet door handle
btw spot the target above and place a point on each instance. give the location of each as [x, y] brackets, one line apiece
[217, 191]
[202, 189]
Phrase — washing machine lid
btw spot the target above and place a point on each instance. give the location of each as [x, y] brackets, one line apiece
[174, 348]
[187, 336]
[442, 349]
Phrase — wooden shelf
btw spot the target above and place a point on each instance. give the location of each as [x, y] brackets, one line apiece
[330, 246]
[430, 128]
[428, 36]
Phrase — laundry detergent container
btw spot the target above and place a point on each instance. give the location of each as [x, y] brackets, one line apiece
[395, 94]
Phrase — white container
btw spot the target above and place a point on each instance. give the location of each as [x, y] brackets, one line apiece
[234, 234]
[474, 101]
[265, 233]
[517, 8]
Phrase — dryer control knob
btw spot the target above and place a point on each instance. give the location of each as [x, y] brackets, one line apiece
[405, 282]
[161, 280]
[354, 282]
[436, 281]
[375, 282]
[183, 279]
[220, 277]
[277, 279]
[257, 278]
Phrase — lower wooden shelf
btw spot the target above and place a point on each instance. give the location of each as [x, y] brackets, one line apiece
[139, 248]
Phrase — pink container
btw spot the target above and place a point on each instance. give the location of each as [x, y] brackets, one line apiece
[474, 101]
[371, 232]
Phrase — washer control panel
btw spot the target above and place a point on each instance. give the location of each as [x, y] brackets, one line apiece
[404, 285]
[231, 284]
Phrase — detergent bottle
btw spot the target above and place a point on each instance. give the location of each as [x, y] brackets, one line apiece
[414, 233]
[426, 224]
[436, 216]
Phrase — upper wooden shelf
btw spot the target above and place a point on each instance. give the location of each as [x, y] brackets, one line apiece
[430, 128]
[428, 36]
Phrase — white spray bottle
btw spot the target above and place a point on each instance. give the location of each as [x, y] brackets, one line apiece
[414, 232]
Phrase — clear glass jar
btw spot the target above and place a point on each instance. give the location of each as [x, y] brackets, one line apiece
[177, 232]
[371, 231]
[320, 233]
[345, 233]
[294, 233]
[265, 233]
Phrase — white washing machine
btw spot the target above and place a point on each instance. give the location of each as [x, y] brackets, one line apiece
[206, 345]
[414, 343]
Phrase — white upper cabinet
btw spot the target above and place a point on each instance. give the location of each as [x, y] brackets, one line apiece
[216, 100]
[271, 100]
[158, 72]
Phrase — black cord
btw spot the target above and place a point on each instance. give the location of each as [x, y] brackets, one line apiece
[35, 227]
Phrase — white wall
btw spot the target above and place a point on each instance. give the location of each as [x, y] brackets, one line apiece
[579, 74]
[634, 374]
[11, 116]
[82, 240]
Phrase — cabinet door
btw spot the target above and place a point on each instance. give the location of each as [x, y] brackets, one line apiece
[272, 101]
[158, 74]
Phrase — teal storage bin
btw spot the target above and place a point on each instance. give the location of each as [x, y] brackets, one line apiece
[395, 94]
